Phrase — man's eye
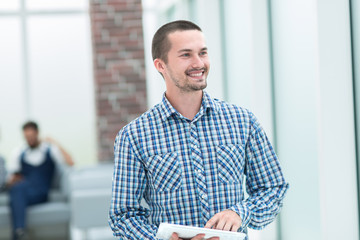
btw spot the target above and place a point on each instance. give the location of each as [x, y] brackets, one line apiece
[203, 53]
[185, 55]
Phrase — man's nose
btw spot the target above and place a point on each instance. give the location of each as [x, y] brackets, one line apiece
[197, 62]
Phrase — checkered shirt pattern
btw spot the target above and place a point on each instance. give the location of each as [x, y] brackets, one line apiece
[189, 170]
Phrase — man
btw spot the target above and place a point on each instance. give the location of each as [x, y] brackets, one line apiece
[188, 156]
[32, 172]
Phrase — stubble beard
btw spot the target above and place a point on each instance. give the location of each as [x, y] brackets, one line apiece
[189, 87]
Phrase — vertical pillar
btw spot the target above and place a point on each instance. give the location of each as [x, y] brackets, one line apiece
[315, 118]
[119, 68]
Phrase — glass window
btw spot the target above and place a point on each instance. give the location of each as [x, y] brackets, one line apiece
[46, 75]
[56, 4]
[11, 83]
[61, 77]
[9, 5]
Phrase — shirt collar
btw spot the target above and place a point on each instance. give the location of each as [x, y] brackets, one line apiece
[168, 110]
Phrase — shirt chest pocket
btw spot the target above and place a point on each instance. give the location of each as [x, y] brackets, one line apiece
[164, 171]
[230, 162]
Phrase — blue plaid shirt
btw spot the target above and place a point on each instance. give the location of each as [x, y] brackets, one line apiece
[189, 170]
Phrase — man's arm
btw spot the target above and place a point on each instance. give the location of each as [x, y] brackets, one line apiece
[65, 155]
[127, 218]
[14, 175]
[265, 182]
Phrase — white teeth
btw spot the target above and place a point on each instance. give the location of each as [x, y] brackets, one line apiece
[196, 75]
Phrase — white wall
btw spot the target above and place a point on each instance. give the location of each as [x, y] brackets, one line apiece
[12, 109]
[295, 75]
[315, 118]
[46, 76]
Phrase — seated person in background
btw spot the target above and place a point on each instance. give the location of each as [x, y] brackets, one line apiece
[31, 174]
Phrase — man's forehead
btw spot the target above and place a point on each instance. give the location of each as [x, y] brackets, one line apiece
[186, 33]
[187, 39]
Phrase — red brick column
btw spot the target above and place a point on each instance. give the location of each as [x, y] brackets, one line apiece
[119, 68]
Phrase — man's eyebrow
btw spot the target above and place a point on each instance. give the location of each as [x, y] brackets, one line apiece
[190, 50]
[184, 50]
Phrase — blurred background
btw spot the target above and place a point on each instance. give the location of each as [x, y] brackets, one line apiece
[83, 69]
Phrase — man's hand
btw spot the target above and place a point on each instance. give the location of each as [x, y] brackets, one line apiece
[15, 178]
[200, 236]
[227, 220]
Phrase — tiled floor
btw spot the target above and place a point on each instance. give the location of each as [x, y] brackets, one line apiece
[103, 233]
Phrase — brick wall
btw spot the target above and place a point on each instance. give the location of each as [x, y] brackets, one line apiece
[119, 68]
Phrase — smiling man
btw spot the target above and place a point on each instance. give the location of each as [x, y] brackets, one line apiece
[189, 155]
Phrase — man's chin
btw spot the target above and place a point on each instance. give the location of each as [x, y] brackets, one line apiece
[193, 87]
[201, 87]
[33, 145]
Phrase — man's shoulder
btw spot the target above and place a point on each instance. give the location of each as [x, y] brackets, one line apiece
[230, 108]
[236, 115]
[17, 151]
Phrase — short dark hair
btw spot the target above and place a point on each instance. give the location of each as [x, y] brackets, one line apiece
[160, 42]
[30, 124]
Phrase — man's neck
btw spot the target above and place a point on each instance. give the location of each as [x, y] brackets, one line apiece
[37, 144]
[186, 103]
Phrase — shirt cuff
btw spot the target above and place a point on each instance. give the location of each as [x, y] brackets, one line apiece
[244, 212]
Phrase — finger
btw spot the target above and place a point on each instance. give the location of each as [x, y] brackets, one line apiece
[174, 236]
[220, 224]
[212, 221]
[213, 238]
[199, 236]
[227, 226]
[235, 227]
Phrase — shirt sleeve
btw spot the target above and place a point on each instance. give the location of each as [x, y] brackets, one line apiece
[14, 163]
[265, 183]
[56, 155]
[127, 218]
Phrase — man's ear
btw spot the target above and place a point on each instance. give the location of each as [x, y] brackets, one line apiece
[159, 65]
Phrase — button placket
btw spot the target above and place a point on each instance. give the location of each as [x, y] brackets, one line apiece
[199, 170]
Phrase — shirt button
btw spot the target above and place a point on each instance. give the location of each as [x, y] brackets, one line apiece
[203, 196]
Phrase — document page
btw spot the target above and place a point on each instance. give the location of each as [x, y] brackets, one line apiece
[166, 229]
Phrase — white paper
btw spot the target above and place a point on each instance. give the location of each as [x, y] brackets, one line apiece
[166, 229]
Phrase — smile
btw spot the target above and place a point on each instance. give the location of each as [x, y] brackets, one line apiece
[195, 73]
